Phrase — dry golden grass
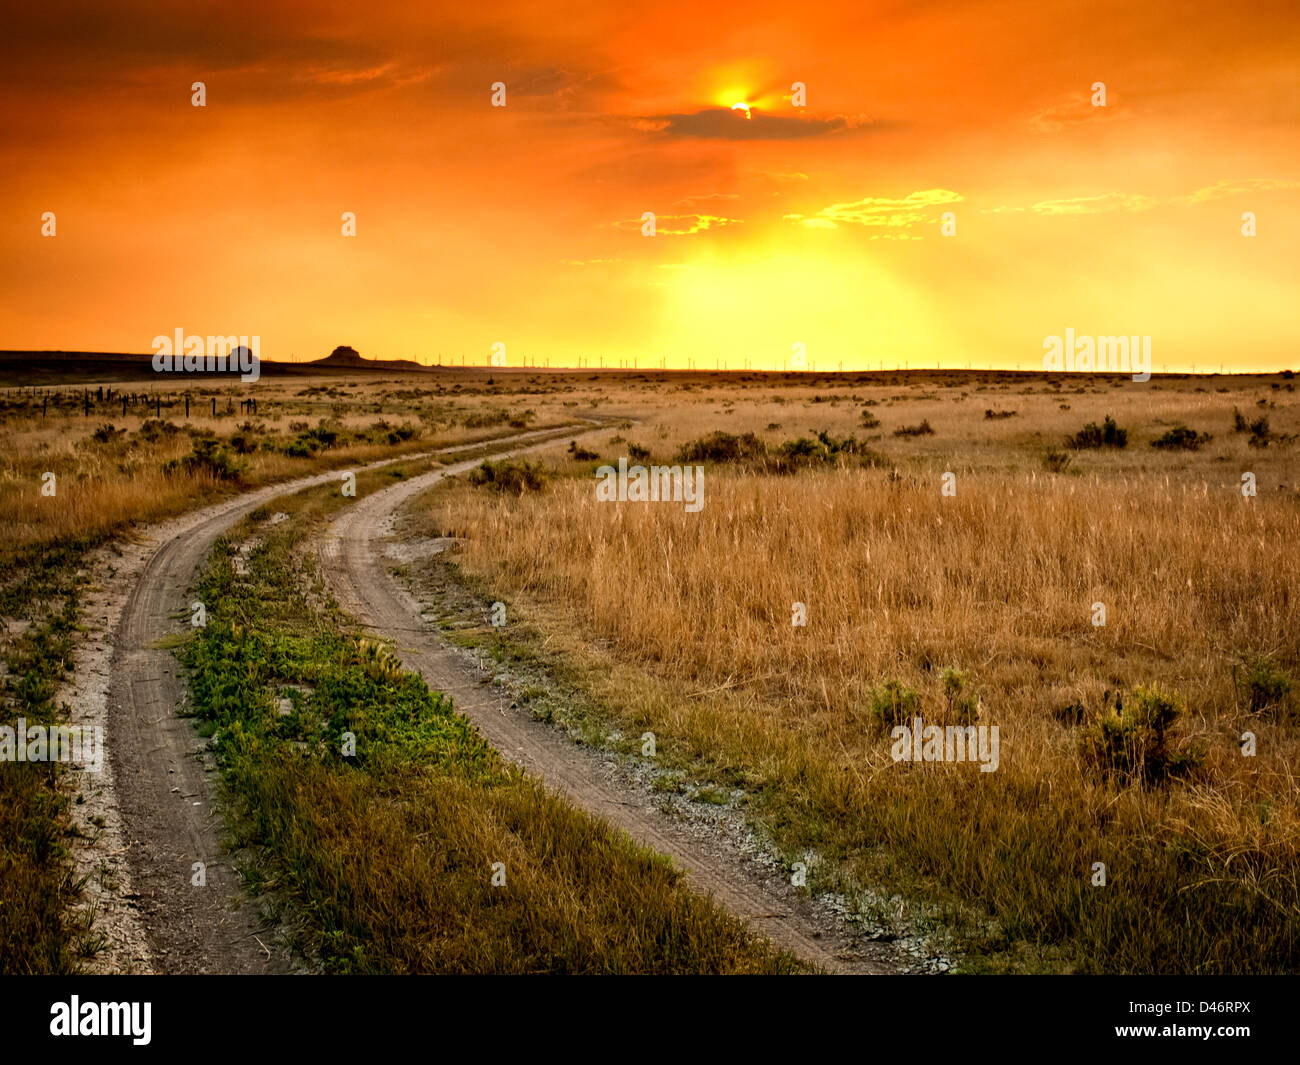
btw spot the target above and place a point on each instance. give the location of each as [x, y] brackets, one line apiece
[104, 487]
[680, 623]
[998, 582]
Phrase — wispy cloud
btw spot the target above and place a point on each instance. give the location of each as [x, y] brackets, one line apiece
[1078, 110]
[1133, 202]
[902, 213]
[680, 225]
[1221, 190]
[1103, 204]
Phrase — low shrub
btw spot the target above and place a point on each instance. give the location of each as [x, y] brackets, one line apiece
[722, 447]
[209, 457]
[1132, 739]
[107, 434]
[1266, 686]
[512, 477]
[1092, 435]
[923, 429]
[894, 704]
[1182, 438]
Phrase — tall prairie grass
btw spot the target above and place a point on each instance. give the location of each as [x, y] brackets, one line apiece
[998, 582]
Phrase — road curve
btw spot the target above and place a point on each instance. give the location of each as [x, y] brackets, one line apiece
[162, 790]
[355, 566]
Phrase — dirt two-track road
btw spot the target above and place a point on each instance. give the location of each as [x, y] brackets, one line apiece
[154, 804]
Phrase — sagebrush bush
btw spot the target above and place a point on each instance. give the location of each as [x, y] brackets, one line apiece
[963, 702]
[107, 434]
[512, 477]
[895, 704]
[1132, 739]
[803, 452]
[209, 457]
[1092, 435]
[152, 430]
[722, 447]
[1182, 438]
[924, 429]
[1266, 686]
[485, 419]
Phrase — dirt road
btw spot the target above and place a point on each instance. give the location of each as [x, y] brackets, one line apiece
[154, 804]
[356, 565]
[149, 815]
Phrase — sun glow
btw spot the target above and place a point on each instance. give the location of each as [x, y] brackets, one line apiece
[742, 107]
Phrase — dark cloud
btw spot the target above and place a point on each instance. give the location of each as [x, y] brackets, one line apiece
[719, 123]
[273, 52]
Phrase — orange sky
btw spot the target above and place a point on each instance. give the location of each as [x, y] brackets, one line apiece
[817, 225]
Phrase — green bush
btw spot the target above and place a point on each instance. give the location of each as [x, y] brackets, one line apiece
[895, 704]
[513, 477]
[1132, 740]
[1266, 686]
[1092, 435]
[107, 434]
[963, 702]
[825, 449]
[1182, 438]
[722, 447]
[923, 429]
[209, 457]
[325, 435]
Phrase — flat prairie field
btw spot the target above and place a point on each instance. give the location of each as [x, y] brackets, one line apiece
[996, 669]
[1102, 571]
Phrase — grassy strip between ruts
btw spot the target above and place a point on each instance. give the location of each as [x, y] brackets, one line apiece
[386, 857]
[42, 582]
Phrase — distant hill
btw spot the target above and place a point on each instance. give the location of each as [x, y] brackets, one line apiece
[53, 368]
[346, 358]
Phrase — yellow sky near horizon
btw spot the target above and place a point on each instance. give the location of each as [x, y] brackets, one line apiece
[817, 225]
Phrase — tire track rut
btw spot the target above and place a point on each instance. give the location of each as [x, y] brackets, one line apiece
[162, 789]
[359, 573]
